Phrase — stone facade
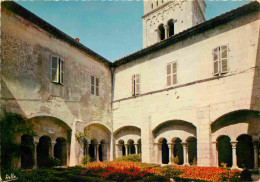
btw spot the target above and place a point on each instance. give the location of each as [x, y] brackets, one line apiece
[183, 14]
[27, 89]
[180, 104]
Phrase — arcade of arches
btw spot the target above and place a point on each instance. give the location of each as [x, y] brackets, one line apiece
[128, 141]
[98, 148]
[166, 31]
[234, 141]
[175, 139]
[51, 140]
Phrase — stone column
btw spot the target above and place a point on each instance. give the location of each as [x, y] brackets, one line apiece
[215, 153]
[127, 149]
[35, 142]
[256, 154]
[185, 153]
[234, 154]
[118, 150]
[53, 142]
[73, 145]
[107, 146]
[136, 148]
[158, 35]
[96, 152]
[166, 30]
[170, 152]
[160, 153]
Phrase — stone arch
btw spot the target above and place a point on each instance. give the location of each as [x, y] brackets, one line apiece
[161, 31]
[51, 126]
[224, 150]
[165, 151]
[65, 121]
[131, 147]
[178, 149]
[236, 123]
[43, 151]
[98, 147]
[126, 133]
[192, 149]
[60, 150]
[245, 151]
[27, 151]
[180, 128]
[170, 27]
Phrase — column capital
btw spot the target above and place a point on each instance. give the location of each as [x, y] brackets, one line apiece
[256, 143]
[184, 144]
[166, 27]
[36, 139]
[234, 144]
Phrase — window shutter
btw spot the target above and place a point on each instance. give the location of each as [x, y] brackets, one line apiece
[61, 71]
[224, 59]
[54, 69]
[137, 82]
[168, 74]
[97, 87]
[133, 85]
[174, 73]
[216, 61]
[92, 85]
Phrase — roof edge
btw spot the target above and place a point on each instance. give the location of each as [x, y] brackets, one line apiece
[39, 22]
[207, 25]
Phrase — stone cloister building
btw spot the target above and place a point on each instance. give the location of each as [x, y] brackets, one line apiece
[192, 92]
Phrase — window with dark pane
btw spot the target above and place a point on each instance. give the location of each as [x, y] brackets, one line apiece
[136, 84]
[57, 70]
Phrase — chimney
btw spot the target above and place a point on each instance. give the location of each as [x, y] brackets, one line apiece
[77, 39]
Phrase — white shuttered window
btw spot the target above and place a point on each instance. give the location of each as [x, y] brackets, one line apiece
[136, 84]
[94, 87]
[220, 60]
[57, 70]
[171, 71]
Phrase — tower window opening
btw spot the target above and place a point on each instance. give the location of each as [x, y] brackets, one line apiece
[171, 27]
[161, 32]
[157, 3]
[152, 5]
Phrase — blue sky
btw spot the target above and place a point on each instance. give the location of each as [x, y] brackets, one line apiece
[113, 29]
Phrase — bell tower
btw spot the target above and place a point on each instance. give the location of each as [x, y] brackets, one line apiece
[163, 19]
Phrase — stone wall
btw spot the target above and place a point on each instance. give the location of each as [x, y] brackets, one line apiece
[25, 77]
[199, 97]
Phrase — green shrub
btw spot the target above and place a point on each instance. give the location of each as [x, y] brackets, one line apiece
[130, 158]
[175, 160]
[85, 159]
[77, 178]
[154, 179]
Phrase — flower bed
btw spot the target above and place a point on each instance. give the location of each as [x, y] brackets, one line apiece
[202, 173]
[127, 171]
[118, 171]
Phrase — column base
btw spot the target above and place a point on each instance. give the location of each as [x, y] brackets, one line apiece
[234, 167]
